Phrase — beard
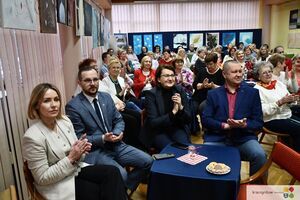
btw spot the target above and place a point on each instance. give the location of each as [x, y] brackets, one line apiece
[91, 91]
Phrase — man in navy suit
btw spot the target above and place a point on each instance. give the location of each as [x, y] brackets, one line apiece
[233, 115]
[95, 114]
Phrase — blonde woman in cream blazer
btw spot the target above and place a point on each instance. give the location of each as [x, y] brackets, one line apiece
[54, 154]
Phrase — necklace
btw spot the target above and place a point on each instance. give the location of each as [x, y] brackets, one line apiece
[116, 82]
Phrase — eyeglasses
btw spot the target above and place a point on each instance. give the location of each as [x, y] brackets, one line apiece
[267, 72]
[168, 75]
[281, 52]
[90, 81]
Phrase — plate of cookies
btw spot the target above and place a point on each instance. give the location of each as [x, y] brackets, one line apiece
[218, 168]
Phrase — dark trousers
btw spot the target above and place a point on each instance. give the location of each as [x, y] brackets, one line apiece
[100, 182]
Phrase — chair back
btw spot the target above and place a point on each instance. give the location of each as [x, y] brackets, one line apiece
[35, 195]
[287, 159]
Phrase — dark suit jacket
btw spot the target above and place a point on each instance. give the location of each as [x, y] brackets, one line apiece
[85, 120]
[157, 120]
[247, 105]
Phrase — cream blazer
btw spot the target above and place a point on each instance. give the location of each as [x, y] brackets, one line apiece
[110, 86]
[52, 171]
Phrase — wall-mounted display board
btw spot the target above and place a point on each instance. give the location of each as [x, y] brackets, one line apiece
[209, 38]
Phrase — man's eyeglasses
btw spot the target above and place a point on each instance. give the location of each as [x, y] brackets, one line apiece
[168, 75]
[90, 81]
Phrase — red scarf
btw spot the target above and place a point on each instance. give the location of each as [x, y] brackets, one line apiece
[269, 86]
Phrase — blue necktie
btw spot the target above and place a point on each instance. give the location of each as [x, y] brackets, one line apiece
[97, 109]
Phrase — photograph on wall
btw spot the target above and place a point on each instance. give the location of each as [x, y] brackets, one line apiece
[196, 39]
[180, 40]
[137, 44]
[18, 14]
[106, 33]
[101, 33]
[121, 39]
[62, 11]
[79, 18]
[228, 38]
[212, 40]
[158, 40]
[148, 41]
[246, 38]
[47, 16]
[87, 19]
[95, 28]
[294, 15]
[71, 10]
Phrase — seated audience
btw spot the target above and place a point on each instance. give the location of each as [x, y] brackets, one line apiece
[166, 58]
[263, 53]
[55, 155]
[181, 53]
[143, 53]
[200, 62]
[155, 63]
[131, 55]
[93, 113]
[280, 72]
[230, 55]
[157, 52]
[168, 113]
[275, 98]
[184, 76]
[233, 115]
[103, 70]
[209, 78]
[280, 50]
[144, 78]
[240, 58]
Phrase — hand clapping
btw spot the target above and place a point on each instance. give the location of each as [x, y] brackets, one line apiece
[176, 98]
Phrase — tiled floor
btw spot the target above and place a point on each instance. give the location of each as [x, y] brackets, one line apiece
[276, 176]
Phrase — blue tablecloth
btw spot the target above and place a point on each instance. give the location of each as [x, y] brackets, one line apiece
[173, 179]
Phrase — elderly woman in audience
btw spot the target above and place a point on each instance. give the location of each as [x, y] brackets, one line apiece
[144, 78]
[275, 99]
[184, 76]
[210, 77]
[166, 59]
[168, 113]
[54, 154]
[280, 72]
[154, 62]
[117, 86]
[181, 53]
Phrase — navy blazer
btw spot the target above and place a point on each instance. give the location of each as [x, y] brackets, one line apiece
[157, 120]
[247, 105]
[85, 119]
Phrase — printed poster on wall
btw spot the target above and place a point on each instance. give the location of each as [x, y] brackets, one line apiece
[180, 40]
[62, 11]
[137, 44]
[246, 38]
[18, 14]
[212, 40]
[158, 40]
[196, 39]
[148, 41]
[228, 38]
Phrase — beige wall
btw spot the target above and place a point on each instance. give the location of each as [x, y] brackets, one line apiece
[279, 28]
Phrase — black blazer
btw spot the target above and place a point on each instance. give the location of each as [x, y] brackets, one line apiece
[158, 120]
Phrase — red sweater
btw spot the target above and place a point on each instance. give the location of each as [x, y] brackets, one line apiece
[139, 81]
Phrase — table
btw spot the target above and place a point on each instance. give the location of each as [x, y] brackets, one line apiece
[173, 179]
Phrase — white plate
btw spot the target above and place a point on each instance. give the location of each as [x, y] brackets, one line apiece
[218, 173]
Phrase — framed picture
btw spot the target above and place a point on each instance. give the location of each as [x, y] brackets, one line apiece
[62, 11]
[71, 10]
[294, 15]
[196, 39]
[212, 40]
[180, 40]
[121, 39]
[246, 38]
[47, 16]
[18, 14]
[228, 38]
[101, 33]
[95, 28]
[79, 17]
[106, 33]
[88, 17]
